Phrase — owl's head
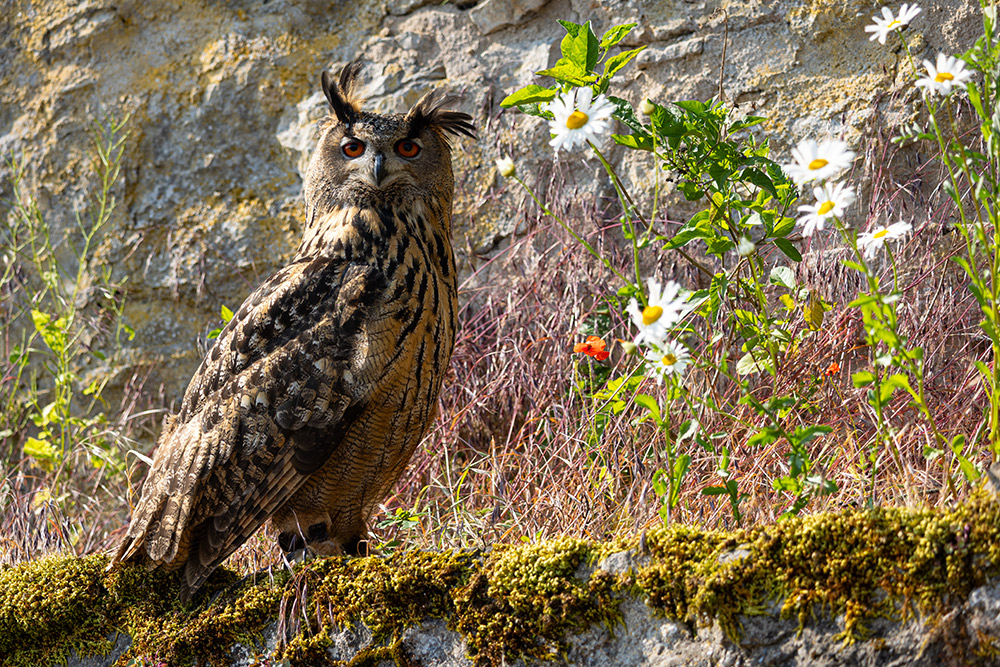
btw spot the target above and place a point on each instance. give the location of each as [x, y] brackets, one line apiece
[369, 159]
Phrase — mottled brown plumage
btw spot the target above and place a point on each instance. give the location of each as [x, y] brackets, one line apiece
[314, 396]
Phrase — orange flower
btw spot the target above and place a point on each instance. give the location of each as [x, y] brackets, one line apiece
[593, 347]
[833, 368]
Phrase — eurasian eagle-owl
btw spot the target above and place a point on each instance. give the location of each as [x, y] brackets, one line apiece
[314, 396]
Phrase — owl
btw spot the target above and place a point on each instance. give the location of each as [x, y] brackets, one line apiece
[308, 407]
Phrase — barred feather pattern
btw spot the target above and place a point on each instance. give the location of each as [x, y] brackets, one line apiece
[313, 398]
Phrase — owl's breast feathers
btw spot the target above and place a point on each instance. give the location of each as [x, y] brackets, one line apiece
[357, 330]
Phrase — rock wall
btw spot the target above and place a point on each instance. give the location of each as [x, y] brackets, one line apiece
[223, 99]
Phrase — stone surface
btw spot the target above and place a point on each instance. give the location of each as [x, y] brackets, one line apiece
[642, 638]
[224, 98]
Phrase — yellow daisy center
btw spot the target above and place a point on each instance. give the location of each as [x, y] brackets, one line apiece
[825, 207]
[944, 76]
[818, 163]
[879, 234]
[576, 120]
[892, 24]
[669, 359]
[650, 314]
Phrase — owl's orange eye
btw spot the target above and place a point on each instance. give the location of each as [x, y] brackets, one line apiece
[407, 148]
[353, 148]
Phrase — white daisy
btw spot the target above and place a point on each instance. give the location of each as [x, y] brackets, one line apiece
[944, 75]
[883, 26]
[665, 308]
[831, 201]
[871, 242]
[669, 358]
[578, 118]
[817, 162]
[505, 165]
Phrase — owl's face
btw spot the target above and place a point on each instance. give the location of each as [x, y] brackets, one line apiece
[368, 159]
[381, 157]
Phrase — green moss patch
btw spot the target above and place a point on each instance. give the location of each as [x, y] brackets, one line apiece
[516, 601]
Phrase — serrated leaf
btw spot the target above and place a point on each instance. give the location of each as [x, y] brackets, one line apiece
[528, 95]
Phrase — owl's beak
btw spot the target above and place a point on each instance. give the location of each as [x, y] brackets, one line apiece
[379, 169]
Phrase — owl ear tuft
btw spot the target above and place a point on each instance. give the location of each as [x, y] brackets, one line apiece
[342, 95]
[429, 112]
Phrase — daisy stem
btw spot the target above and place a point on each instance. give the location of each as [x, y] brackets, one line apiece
[547, 211]
[629, 207]
[909, 56]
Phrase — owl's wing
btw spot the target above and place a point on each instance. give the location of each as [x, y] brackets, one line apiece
[268, 406]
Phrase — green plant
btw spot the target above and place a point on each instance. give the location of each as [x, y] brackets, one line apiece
[740, 330]
[72, 306]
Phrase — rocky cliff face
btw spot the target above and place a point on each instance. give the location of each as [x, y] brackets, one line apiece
[223, 99]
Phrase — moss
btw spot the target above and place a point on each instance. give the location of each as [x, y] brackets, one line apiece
[516, 601]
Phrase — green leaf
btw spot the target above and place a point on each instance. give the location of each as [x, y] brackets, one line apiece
[680, 470]
[783, 227]
[580, 45]
[650, 404]
[968, 468]
[636, 141]
[785, 246]
[53, 333]
[862, 378]
[667, 122]
[714, 491]
[43, 451]
[616, 34]
[805, 434]
[214, 333]
[694, 106]
[616, 62]
[568, 72]
[890, 384]
[691, 191]
[749, 363]
[765, 436]
[760, 180]
[529, 94]
[698, 227]
[626, 114]
[226, 314]
[782, 275]
[749, 121]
